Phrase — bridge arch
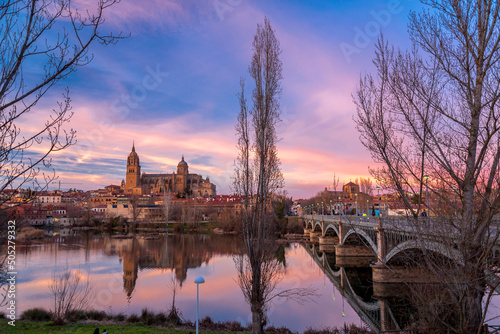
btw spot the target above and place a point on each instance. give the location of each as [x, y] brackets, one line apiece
[318, 227]
[333, 228]
[365, 236]
[433, 246]
[309, 224]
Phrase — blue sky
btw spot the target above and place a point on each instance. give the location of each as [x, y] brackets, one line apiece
[171, 87]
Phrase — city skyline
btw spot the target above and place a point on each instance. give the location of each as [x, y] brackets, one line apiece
[171, 88]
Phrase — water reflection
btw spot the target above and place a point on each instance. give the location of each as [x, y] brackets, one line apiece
[131, 273]
[176, 252]
[354, 283]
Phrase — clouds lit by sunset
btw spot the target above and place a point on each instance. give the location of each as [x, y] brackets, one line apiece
[171, 87]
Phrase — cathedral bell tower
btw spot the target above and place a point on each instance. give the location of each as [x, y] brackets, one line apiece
[133, 178]
[182, 176]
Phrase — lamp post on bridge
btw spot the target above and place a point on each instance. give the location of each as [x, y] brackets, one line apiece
[331, 209]
[378, 198]
[342, 207]
[386, 205]
[426, 177]
[356, 194]
[367, 207]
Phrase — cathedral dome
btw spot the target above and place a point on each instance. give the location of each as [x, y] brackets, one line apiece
[182, 162]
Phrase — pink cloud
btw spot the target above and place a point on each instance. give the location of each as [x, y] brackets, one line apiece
[319, 136]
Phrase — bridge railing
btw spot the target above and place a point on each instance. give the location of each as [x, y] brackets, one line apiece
[422, 225]
[353, 219]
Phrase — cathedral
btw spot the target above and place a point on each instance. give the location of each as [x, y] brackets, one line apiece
[182, 182]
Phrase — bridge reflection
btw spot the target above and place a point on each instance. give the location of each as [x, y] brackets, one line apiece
[381, 307]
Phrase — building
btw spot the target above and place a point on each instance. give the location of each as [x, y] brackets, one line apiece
[181, 182]
[45, 198]
[139, 212]
[350, 190]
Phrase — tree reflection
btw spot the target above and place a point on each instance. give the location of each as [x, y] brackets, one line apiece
[258, 278]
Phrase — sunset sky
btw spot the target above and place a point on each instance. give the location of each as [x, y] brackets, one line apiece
[197, 51]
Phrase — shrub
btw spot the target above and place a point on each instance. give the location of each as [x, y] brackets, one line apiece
[36, 314]
[347, 329]
[174, 317]
[206, 322]
[147, 317]
[278, 330]
[76, 315]
[133, 318]
[96, 315]
[234, 326]
[119, 317]
[161, 318]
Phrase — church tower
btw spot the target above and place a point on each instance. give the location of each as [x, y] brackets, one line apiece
[182, 167]
[133, 178]
[182, 176]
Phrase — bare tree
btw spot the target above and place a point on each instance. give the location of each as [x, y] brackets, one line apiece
[431, 118]
[335, 183]
[55, 36]
[366, 186]
[258, 176]
[167, 201]
[174, 315]
[71, 291]
[135, 208]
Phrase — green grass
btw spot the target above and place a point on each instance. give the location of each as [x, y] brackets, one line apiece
[48, 327]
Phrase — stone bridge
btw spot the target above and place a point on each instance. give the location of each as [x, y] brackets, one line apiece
[341, 245]
[360, 240]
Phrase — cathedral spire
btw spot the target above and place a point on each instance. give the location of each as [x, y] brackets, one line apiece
[133, 145]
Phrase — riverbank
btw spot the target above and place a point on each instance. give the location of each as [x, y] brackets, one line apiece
[88, 328]
[26, 327]
[290, 229]
[39, 321]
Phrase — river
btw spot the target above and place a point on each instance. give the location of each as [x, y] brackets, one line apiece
[130, 274]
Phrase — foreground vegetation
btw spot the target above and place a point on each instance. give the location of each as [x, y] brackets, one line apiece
[88, 328]
[124, 328]
[41, 321]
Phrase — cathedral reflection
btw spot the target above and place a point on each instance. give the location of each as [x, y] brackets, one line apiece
[178, 253]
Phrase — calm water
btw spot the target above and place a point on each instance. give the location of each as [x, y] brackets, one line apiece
[135, 273]
[132, 274]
